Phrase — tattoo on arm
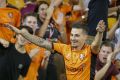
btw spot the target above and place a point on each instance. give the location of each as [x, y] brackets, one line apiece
[37, 40]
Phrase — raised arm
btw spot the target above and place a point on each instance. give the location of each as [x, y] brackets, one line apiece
[63, 36]
[61, 24]
[113, 9]
[43, 28]
[32, 38]
[111, 33]
[95, 46]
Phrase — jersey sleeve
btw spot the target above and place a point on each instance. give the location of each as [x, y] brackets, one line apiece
[59, 47]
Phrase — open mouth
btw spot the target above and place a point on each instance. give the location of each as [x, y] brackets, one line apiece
[104, 58]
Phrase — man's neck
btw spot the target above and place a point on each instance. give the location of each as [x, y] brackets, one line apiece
[78, 48]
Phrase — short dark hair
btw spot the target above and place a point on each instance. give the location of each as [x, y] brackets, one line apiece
[108, 43]
[82, 26]
[30, 30]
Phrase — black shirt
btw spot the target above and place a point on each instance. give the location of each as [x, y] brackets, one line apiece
[2, 49]
[98, 10]
[13, 64]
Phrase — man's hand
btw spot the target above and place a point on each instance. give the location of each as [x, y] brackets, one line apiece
[101, 26]
[60, 19]
[57, 2]
[13, 28]
[110, 58]
[4, 42]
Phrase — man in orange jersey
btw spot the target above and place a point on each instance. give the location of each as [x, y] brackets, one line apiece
[77, 55]
[8, 15]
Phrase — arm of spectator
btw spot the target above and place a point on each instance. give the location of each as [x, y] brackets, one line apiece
[81, 3]
[20, 77]
[113, 9]
[112, 14]
[95, 46]
[32, 38]
[117, 50]
[33, 52]
[62, 29]
[43, 28]
[111, 33]
[63, 36]
[45, 60]
[101, 73]
[56, 3]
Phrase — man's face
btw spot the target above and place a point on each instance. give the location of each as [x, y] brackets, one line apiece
[77, 37]
[31, 21]
[104, 52]
[42, 11]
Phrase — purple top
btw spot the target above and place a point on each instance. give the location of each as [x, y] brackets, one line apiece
[30, 8]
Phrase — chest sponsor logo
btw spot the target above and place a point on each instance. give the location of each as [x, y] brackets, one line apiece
[82, 56]
[10, 15]
[81, 68]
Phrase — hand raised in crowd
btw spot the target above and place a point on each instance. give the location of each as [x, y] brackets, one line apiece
[101, 26]
[60, 19]
[110, 58]
[13, 28]
[50, 12]
[4, 42]
[112, 55]
[57, 2]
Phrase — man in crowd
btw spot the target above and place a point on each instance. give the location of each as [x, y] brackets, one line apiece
[77, 56]
[105, 68]
[15, 62]
[8, 15]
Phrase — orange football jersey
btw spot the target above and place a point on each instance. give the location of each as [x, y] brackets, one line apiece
[8, 15]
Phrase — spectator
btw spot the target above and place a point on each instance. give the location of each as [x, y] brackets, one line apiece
[8, 15]
[15, 63]
[105, 69]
